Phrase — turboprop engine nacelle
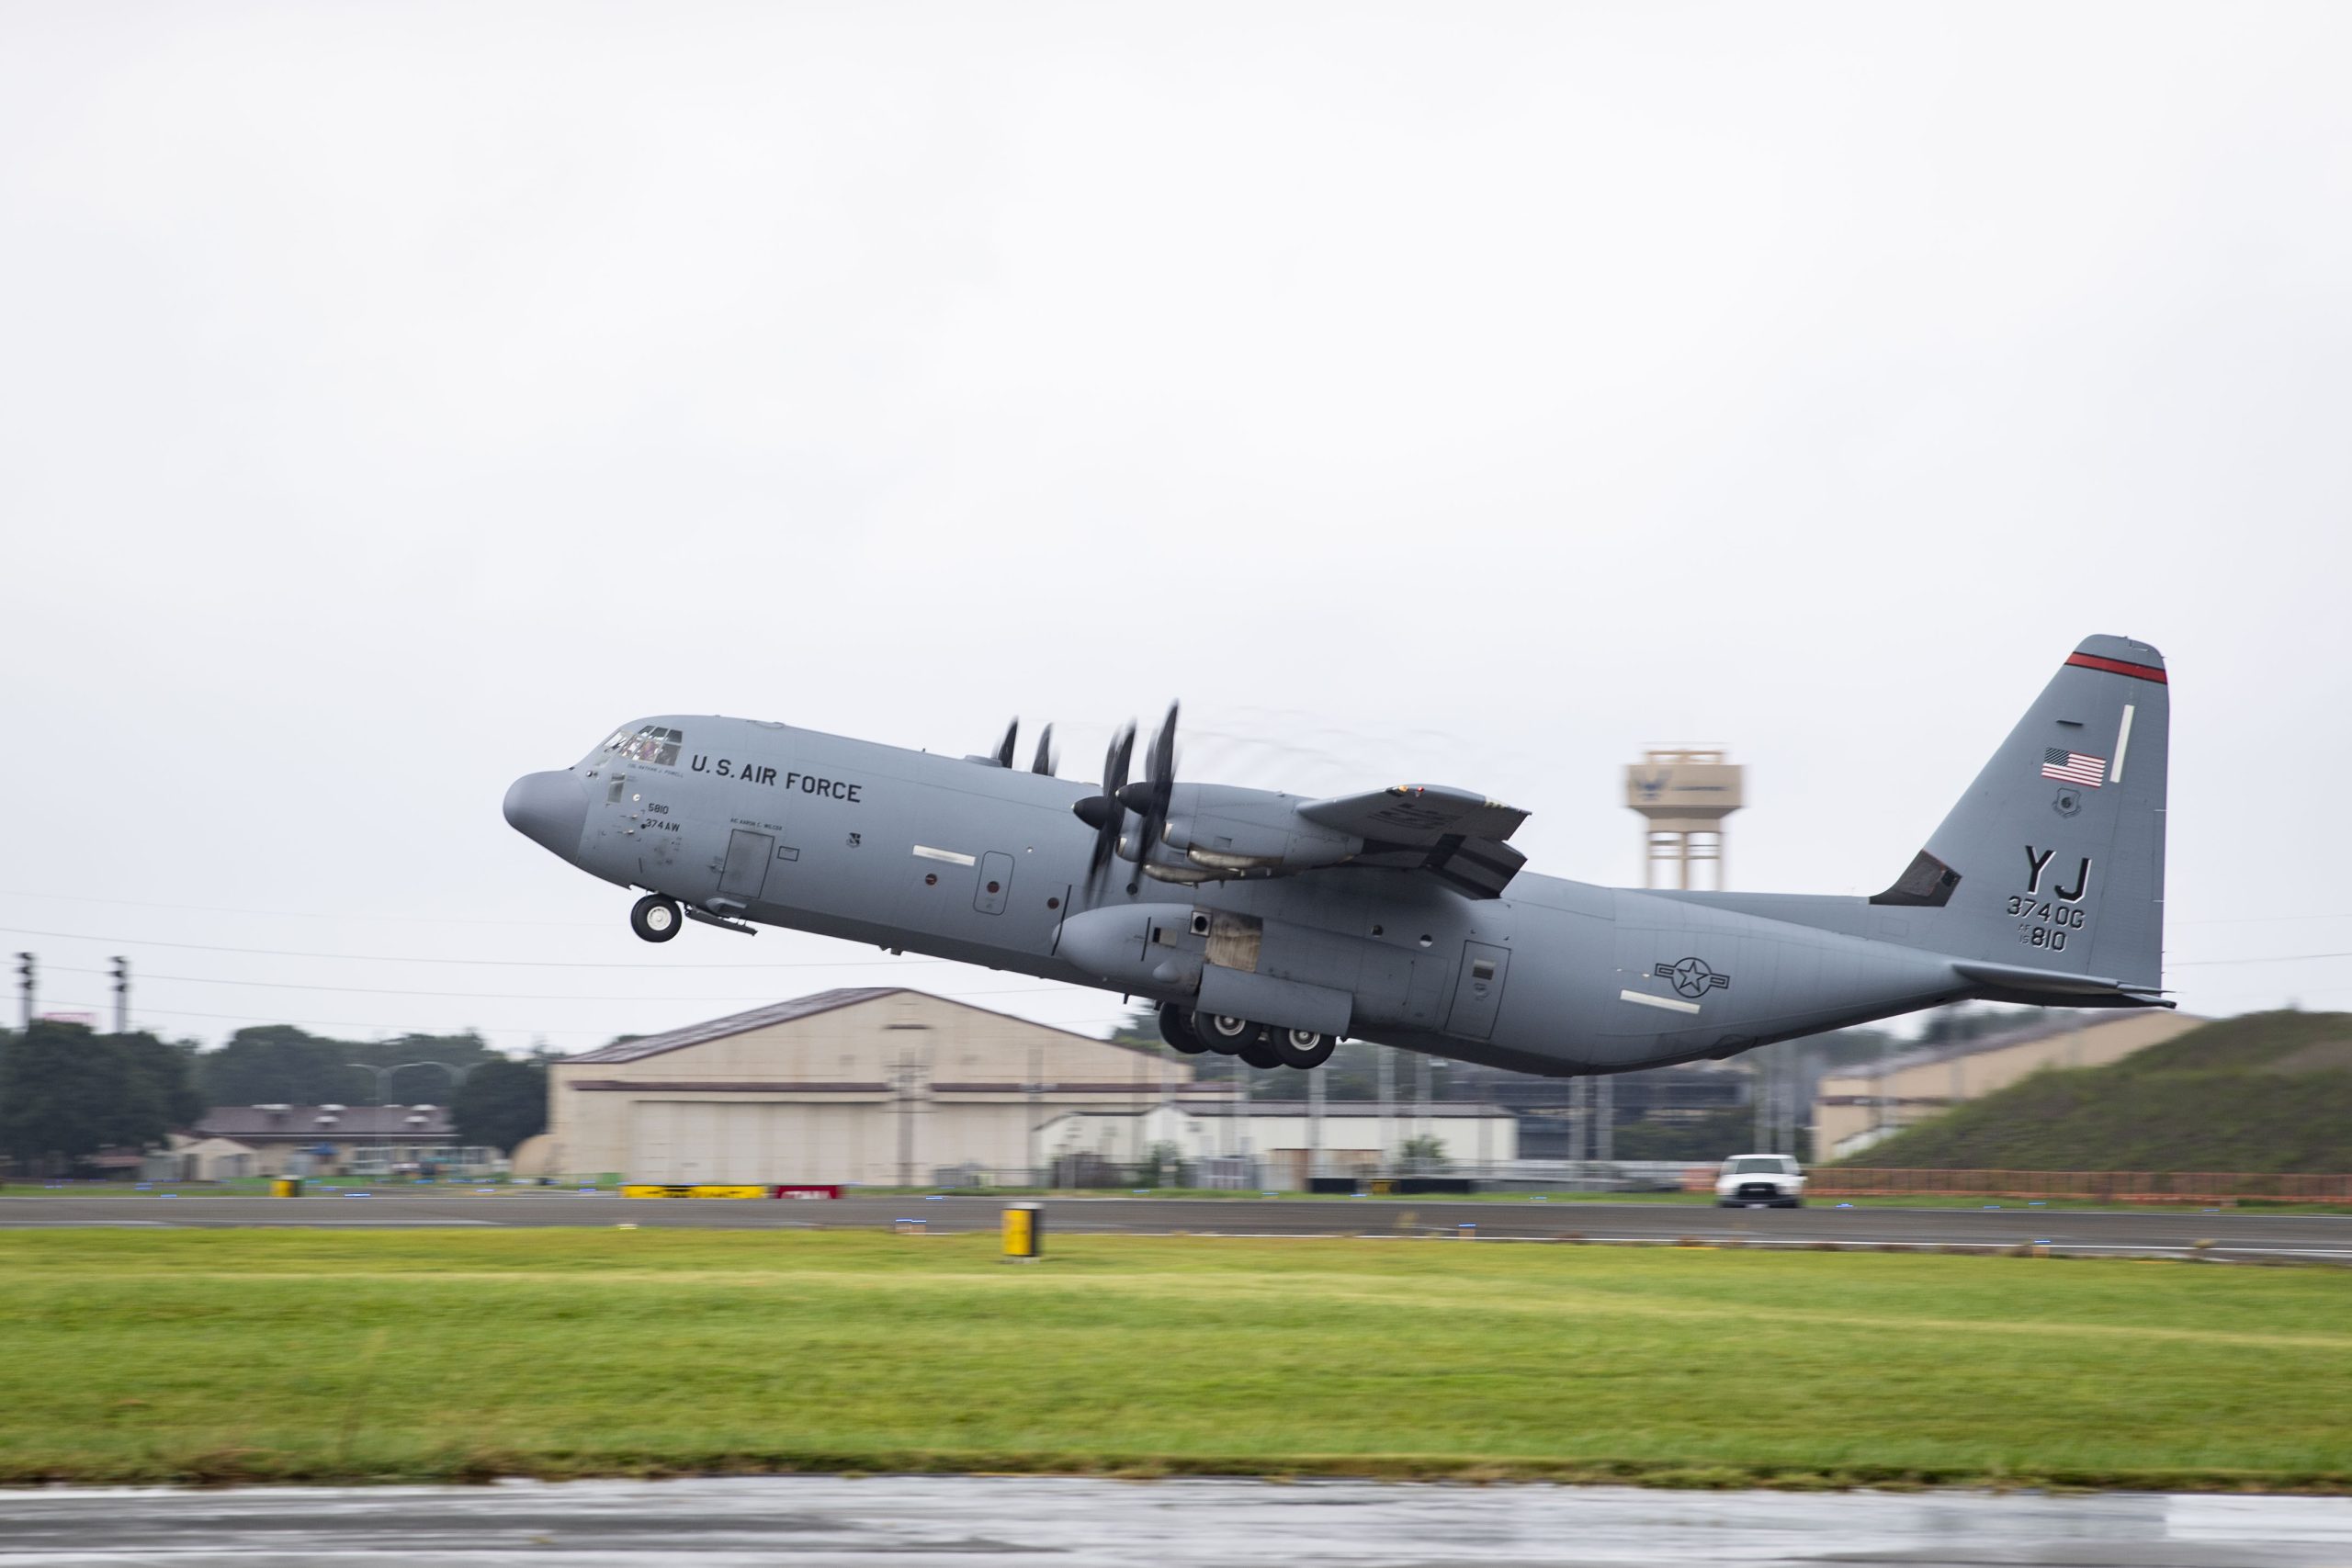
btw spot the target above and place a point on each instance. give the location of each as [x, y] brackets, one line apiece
[1236, 832]
[1142, 945]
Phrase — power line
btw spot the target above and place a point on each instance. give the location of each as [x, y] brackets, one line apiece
[2282, 958]
[146, 1010]
[521, 996]
[2261, 919]
[401, 1029]
[488, 962]
[304, 914]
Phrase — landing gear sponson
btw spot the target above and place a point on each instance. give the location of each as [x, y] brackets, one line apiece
[1259, 1044]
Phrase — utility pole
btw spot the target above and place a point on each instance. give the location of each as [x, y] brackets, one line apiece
[24, 983]
[1036, 1103]
[1878, 1094]
[1243, 1073]
[1421, 1121]
[906, 1077]
[1387, 1105]
[1314, 1127]
[121, 996]
[1795, 1100]
[1604, 1119]
[1579, 1121]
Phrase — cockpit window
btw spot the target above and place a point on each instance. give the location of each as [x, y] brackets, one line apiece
[652, 743]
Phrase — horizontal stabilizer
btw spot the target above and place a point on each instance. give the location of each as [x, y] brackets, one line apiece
[2055, 987]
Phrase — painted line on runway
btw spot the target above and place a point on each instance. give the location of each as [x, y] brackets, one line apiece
[1736, 1243]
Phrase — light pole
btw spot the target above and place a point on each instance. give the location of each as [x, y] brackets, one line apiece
[457, 1074]
[1387, 1087]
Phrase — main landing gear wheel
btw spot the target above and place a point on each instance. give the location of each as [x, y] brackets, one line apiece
[1260, 1053]
[1176, 1028]
[655, 919]
[1223, 1032]
[1303, 1048]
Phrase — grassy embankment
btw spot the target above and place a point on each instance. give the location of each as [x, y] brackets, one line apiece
[2269, 1091]
[236, 1355]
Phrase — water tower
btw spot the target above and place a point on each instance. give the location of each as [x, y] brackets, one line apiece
[1683, 794]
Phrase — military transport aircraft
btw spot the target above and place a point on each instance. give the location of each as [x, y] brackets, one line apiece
[1268, 927]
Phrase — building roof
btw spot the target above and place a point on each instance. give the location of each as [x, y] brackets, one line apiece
[787, 1012]
[2061, 1022]
[278, 1123]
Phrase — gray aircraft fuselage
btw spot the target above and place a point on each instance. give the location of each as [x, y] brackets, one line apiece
[959, 859]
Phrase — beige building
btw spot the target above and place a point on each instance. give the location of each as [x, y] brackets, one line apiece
[219, 1159]
[1852, 1110]
[232, 1141]
[1278, 1137]
[876, 1085]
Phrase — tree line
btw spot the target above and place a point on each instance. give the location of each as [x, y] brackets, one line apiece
[67, 1091]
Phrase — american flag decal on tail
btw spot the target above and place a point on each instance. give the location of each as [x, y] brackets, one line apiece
[2073, 767]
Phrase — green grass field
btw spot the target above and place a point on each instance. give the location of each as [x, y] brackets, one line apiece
[432, 1355]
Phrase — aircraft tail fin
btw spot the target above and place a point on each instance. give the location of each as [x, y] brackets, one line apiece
[2052, 865]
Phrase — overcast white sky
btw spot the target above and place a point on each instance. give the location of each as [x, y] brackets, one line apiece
[394, 398]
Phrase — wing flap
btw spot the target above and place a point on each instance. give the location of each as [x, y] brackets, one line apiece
[1476, 868]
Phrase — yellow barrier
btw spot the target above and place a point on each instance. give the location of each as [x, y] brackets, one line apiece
[650, 1190]
[285, 1186]
[1025, 1232]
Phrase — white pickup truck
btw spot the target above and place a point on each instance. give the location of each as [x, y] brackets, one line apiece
[1760, 1181]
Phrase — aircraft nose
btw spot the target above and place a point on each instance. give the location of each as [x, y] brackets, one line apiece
[550, 809]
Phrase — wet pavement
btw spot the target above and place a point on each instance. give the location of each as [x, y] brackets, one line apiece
[2225, 1233]
[1092, 1524]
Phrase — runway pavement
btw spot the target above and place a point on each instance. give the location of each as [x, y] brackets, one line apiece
[1095, 1524]
[2227, 1235]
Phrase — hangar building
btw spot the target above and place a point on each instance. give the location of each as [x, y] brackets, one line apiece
[882, 1086]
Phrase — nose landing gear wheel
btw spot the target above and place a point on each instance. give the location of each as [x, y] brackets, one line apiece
[1176, 1028]
[1303, 1048]
[654, 918]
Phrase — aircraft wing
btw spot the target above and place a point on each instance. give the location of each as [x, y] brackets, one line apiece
[1456, 835]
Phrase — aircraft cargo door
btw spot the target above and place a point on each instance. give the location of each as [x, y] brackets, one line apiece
[746, 871]
[1479, 992]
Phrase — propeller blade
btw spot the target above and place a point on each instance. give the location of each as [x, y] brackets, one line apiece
[1004, 746]
[1150, 797]
[1160, 766]
[1047, 761]
[1103, 812]
[1150, 792]
[1114, 761]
